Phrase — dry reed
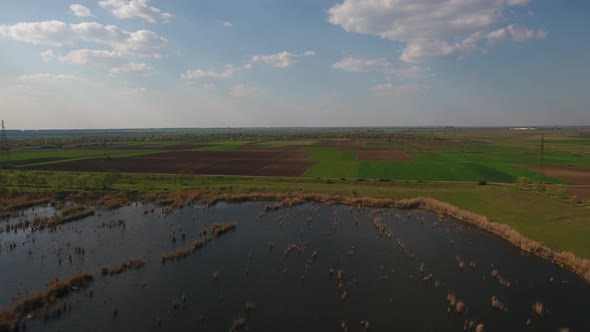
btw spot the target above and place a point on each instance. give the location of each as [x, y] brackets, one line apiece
[218, 229]
[121, 267]
[51, 294]
[183, 252]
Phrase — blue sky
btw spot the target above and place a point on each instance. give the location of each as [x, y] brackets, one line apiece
[221, 63]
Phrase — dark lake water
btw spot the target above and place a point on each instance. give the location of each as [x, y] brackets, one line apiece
[383, 281]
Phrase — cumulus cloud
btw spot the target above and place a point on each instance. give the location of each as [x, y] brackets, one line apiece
[80, 11]
[141, 43]
[114, 62]
[51, 79]
[429, 29]
[241, 90]
[135, 9]
[280, 60]
[388, 89]
[227, 24]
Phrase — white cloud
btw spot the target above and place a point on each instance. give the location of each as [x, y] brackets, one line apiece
[97, 58]
[516, 33]
[358, 65]
[388, 89]
[241, 90]
[132, 92]
[47, 55]
[131, 68]
[113, 61]
[51, 79]
[135, 9]
[55, 33]
[280, 60]
[227, 24]
[196, 74]
[141, 43]
[429, 29]
[80, 11]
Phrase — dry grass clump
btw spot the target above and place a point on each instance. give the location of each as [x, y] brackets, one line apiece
[57, 289]
[459, 306]
[69, 215]
[383, 230]
[539, 308]
[183, 252]
[497, 304]
[121, 267]
[117, 200]
[496, 275]
[11, 203]
[454, 303]
[238, 324]
[218, 229]
[299, 248]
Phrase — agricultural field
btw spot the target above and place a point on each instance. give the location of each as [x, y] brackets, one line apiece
[497, 155]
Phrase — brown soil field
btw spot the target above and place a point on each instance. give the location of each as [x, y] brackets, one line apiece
[140, 147]
[263, 163]
[383, 155]
[576, 175]
[581, 192]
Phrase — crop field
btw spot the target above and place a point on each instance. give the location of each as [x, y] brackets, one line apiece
[493, 155]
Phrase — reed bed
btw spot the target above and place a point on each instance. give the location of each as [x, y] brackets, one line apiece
[10, 318]
[132, 264]
[183, 252]
[219, 229]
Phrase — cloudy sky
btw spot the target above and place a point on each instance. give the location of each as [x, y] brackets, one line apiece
[258, 63]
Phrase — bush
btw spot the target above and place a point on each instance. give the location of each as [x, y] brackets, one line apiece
[523, 181]
[482, 183]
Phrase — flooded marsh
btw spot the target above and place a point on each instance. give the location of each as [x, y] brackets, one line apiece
[256, 266]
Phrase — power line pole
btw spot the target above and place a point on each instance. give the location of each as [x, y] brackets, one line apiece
[4, 149]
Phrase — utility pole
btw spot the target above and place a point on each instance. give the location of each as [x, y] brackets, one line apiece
[4, 150]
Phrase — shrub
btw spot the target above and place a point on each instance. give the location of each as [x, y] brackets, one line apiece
[482, 183]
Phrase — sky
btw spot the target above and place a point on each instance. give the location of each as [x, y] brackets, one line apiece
[284, 63]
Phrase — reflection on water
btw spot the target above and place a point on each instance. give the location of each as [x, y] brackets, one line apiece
[385, 284]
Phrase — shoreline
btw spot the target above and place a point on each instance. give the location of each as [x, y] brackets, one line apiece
[178, 199]
[578, 265]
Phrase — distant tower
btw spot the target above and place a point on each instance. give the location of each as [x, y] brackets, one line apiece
[4, 150]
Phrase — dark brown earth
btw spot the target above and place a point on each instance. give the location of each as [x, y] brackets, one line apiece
[581, 192]
[139, 147]
[575, 175]
[235, 162]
